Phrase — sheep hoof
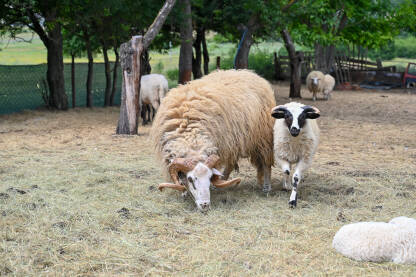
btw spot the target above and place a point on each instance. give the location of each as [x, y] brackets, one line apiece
[267, 188]
[292, 204]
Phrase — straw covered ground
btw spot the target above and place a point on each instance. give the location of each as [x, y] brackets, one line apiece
[77, 200]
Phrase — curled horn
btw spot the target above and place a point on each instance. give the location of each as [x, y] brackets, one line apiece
[217, 182]
[311, 109]
[178, 164]
[212, 160]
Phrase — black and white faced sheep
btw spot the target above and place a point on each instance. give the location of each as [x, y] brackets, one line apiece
[204, 127]
[296, 137]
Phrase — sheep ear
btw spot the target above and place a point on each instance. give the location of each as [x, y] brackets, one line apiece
[312, 112]
[279, 112]
[216, 172]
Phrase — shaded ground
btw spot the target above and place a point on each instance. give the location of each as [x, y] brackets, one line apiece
[75, 199]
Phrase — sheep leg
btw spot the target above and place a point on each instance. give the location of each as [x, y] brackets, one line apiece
[267, 176]
[300, 167]
[314, 96]
[285, 165]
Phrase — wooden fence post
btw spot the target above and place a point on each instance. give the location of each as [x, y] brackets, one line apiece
[130, 53]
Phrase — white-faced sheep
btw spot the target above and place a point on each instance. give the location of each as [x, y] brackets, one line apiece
[296, 137]
[317, 82]
[379, 241]
[153, 87]
[211, 123]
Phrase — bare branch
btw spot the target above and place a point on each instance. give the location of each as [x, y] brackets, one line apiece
[158, 23]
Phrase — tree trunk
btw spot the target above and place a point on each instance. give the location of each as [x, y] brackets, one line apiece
[114, 87]
[145, 67]
[73, 80]
[185, 55]
[324, 57]
[55, 73]
[197, 59]
[241, 59]
[130, 53]
[107, 93]
[90, 73]
[130, 63]
[205, 53]
[296, 59]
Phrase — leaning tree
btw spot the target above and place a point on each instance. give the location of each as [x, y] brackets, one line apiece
[130, 53]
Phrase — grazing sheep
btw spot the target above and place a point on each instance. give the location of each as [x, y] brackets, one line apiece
[317, 82]
[211, 123]
[296, 137]
[153, 87]
[379, 241]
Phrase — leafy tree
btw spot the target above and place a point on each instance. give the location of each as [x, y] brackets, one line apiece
[44, 18]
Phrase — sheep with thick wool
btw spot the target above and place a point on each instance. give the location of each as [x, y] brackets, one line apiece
[394, 241]
[296, 138]
[153, 87]
[317, 82]
[209, 124]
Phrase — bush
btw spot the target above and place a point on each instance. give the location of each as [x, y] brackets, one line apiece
[387, 52]
[173, 74]
[399, 48]
[262, 63]
[405, 47]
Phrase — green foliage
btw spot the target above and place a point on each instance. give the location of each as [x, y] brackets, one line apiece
[260, 61]
[173, 74]
[218, 38]
[399, 48]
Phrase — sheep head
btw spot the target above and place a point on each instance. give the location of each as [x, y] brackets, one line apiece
[199, 176]
[295, 115]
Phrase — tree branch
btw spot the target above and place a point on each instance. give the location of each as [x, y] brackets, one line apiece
[37, 28]
[285, 8]
[158, 23]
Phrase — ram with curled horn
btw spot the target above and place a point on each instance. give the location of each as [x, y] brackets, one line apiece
[199, 176]
[203, 128]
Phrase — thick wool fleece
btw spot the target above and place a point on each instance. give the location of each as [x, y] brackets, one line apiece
[153, 87]
[226, 113]
[379, 241]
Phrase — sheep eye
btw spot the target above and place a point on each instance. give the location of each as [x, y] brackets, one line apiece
[192, 182]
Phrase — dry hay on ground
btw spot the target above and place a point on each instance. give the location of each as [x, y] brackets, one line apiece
[75, 199]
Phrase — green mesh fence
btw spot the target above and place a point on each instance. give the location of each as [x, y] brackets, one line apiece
[21, 86]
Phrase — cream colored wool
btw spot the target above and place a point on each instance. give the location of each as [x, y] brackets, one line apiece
[325, 84]
[226, 113]
[379, 241]
[153, 87]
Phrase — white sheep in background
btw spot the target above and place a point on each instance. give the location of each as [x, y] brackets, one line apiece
[211, 123]
[379, 241]
[317, 82]
[296, 137]
[153, 87]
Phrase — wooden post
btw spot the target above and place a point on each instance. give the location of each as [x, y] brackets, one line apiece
[130, 53]
[218, 62]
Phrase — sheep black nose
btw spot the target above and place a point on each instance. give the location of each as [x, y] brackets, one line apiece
[204, 206]
[294, 131]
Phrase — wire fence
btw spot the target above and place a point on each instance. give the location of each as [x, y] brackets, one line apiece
[21, 86]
